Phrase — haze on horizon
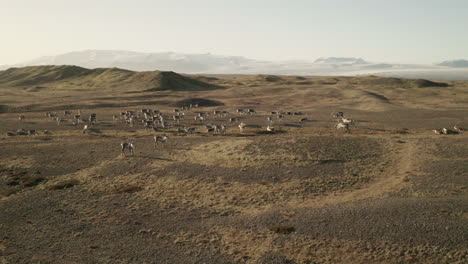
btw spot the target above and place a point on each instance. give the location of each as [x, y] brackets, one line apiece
[401, 31]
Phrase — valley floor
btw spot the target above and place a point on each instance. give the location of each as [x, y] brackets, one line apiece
[391, 191]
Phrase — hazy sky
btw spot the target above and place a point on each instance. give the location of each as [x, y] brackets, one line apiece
[415, 31]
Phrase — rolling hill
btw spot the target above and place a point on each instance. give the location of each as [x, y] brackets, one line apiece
[74, 77]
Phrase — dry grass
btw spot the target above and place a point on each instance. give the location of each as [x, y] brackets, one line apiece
[232, 198]
[65, 184]
[282, 229]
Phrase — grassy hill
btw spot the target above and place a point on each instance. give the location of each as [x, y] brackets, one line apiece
[74, 77]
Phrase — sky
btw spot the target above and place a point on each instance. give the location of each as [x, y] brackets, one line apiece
[403, 31]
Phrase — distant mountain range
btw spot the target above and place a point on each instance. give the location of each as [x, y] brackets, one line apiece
[455, 63]
[215, 64]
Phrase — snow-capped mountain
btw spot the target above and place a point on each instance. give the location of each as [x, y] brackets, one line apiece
[338, 60]
[139, 61]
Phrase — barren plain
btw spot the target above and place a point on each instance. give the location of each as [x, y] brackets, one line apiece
[390, 191]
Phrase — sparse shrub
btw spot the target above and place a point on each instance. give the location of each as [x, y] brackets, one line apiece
[64, 184]
[283, 229]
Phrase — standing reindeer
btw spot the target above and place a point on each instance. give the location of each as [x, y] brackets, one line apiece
[241, 127]
[161, 139]
[129, 146]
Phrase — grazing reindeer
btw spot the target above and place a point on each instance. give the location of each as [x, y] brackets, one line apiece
[129, 146]
[220, 129]
[437, 131]
[161, 139]
[21, 117]
[270, 120]
[251, 111]
[233, 120]
[347, 121]
[280, 117]
[240, 111]
[458, 129]
[338, 115]
[241, 127]
[342, 126]
[190, 130]
[446, 131]
[270, 129]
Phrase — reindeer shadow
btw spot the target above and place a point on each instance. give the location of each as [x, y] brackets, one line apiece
[271, 132]
[155, 158]
[291, 125]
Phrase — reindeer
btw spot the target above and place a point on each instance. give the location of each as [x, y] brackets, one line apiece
[280, 117]
[458, 129]
[220, 129]
[233, 120]
[85, 129]
[21, 117]
[129, 146]
[161, 139]
[270, 120]
[347, 121]
[241, 127]
[270, 129]
[338, 115]
[342, 126]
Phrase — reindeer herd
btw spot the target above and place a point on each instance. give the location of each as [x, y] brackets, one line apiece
[216, 122]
